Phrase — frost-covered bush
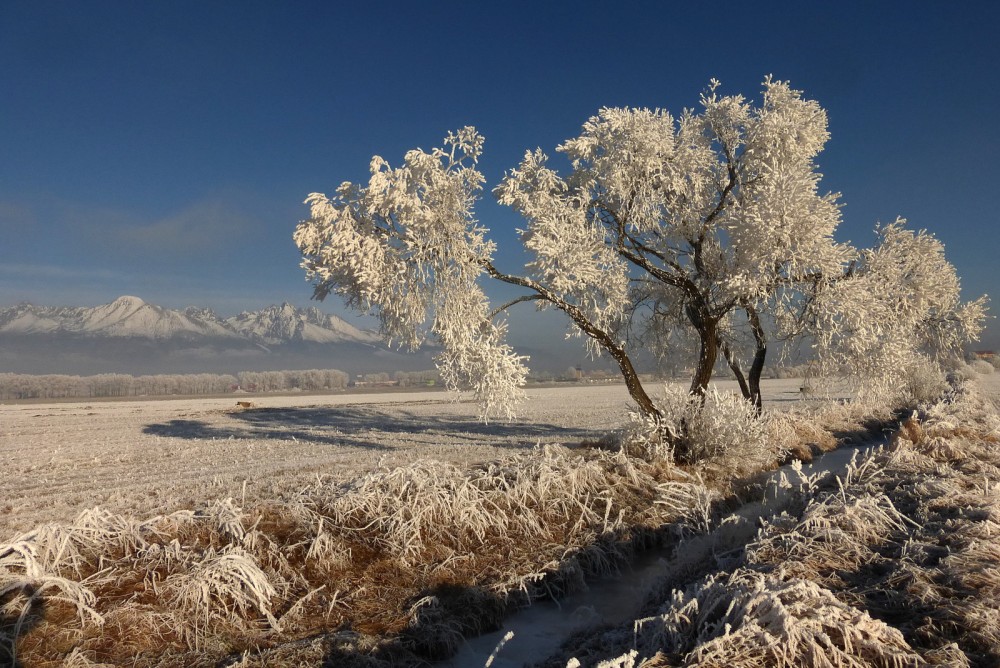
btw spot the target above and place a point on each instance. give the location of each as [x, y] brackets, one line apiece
[982, 367]
[915, 378]
[925, 384]
[693, 429]
[963, 372]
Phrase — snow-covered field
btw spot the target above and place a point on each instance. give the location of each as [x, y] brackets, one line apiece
[410, 559]
[156, 456]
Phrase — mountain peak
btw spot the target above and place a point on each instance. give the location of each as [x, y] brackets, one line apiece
[131, 317]
[285, 323]
[126, 303]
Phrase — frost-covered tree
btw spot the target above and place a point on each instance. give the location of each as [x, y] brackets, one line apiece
[706, 228]
[896, 308]
[408, 246]
[708, 225]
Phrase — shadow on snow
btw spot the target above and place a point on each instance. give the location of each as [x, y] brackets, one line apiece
[344, 427]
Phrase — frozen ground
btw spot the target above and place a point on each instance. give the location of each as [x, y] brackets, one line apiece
[991, 386]
[156, 456]
[539, 630]
[435, 530]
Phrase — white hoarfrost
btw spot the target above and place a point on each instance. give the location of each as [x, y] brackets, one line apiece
[895, 314]
[720, 423]
[705, 233]
[408, 245]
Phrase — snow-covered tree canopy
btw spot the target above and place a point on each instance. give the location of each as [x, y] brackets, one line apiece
[897, 307]
[407, 246]
[710, 225]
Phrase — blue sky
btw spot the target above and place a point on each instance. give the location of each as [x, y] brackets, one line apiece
[163, 149]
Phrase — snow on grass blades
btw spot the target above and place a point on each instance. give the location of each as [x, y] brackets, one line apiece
[893, 564]
[424, 554]
[397, 566]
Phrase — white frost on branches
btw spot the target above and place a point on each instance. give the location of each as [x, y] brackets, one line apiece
[705, 231]
[408, 247]
[899, 309]
[715, 219]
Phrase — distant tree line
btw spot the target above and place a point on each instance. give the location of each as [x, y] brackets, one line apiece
[55, 386]
[275, 381]
[417, 378]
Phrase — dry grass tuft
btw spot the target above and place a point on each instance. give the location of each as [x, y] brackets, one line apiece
[749, 619]
[223, 589]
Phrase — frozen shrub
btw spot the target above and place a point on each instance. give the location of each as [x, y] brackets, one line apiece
[963, 372]
[982, 367]
[693, 429]
[964, 411]
[642, 438]
[925, 384]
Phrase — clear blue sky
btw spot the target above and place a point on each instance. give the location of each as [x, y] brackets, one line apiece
[163, 149]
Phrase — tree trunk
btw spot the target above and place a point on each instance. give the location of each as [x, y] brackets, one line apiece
[753, 379]
[757, 367]
[634, 385]
[750, 383]
[708, 334]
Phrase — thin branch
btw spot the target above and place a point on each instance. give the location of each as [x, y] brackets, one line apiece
[609, 218]
[723, 197]
[734, 365]
[523, 298]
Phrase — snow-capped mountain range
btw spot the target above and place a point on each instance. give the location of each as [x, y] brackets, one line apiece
[131, 317]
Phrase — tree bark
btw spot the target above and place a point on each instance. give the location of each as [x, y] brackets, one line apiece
[757, 367]
[634, 385]
[753, 379]
[708, 334]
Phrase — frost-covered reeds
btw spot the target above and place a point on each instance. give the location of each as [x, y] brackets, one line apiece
[395, 567]
[423, 554]
[893, 564]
